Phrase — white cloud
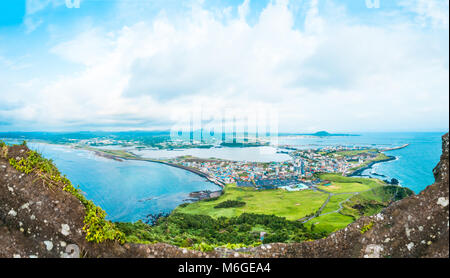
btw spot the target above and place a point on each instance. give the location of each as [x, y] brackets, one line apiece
[244, 9]
[331, 75]
[434, 11]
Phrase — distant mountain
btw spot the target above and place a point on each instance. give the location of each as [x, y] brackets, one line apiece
[319, 134]
[326, 134]
[322, 134]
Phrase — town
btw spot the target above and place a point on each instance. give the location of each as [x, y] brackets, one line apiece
[293, 175]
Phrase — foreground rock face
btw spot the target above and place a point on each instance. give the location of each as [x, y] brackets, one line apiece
[38, 221]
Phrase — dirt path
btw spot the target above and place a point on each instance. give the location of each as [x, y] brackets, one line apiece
[319, 211]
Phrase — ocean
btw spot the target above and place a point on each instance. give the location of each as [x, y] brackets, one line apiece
[128, 191]
[131, 190]
[413, 166]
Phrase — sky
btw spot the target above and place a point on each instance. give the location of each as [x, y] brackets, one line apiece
[340, 66]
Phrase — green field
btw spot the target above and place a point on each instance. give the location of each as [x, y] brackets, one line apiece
[380, 157]
[236, 218]
[352, 153]
[341, 184]
[369, 193]
[292, 205]
[329, 223]
[350, 198]
[333, 204]
[371, 202]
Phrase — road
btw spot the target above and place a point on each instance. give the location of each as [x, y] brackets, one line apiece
[319, 211]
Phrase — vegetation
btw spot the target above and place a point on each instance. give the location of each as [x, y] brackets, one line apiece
[378, 158]
[366, 228]
[353, 153]
[373, 201]
[329, 223]
[341, 184]
[236, 218]
[338, 178]
[3, 149]
[335, 202]
[203, 232]
[365, 197]
[97, 228]
[230, 204]
[291, 205]
[352, 198]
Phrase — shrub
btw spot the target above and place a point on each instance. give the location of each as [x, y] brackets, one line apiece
[211, 199]
[366, 228]
[3, 151]
[230, 204]
[97, 228]
[202, 232]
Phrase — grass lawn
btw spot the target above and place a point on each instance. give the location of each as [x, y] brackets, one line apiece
[380, 157]
[333, 204]
[330, 223]
[374, 200]
[292, 205]
[353, 153]
[340, 184]
[345, 187]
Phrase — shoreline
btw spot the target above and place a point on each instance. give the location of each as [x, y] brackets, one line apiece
[359, 171]
[189, 169]
[192, 170]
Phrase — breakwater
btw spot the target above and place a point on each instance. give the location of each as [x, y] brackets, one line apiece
[190, 169]
[195, 171]
[396, 148]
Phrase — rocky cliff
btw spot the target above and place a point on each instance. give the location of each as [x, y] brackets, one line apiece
[38, 220]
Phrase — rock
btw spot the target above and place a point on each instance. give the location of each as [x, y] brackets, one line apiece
[373, 251]
[65, 229]
[443, 201]
[48, 245]
[12, 213]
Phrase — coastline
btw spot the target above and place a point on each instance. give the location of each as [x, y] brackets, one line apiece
[192, 170]
[359, 171]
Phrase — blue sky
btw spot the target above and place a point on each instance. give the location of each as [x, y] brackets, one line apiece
[137, 64]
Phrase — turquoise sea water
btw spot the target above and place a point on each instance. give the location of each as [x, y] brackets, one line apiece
[414, 165]
[130, 190]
